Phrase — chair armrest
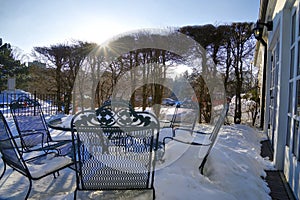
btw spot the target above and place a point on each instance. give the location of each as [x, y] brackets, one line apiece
[26, 135]
[40, 145]
[189, 130]
[185, 142]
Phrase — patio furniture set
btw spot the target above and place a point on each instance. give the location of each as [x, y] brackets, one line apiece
[112, 148]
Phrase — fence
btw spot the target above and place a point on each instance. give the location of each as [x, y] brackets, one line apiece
[48, 102]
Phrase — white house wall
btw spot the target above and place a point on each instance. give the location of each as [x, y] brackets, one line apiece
[291, 162]
[283, 87]
[286, 157]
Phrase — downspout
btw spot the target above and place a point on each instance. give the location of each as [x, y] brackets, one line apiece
[262, 16]
[263, 96]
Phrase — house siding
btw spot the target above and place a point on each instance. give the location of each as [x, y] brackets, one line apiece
[282, 109]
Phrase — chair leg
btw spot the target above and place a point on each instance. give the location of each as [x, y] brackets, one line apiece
[201, 167]
[28, 192]
[54, 174]
[4, 165]
[75, 194]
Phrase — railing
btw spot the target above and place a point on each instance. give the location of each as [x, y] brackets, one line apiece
[48, 101]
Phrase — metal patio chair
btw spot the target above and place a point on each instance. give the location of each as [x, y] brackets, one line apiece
[122, 143]
[37, 167]
[214, 135]
[211, 139]
[32, 128]
[170, 123]
[184, 123]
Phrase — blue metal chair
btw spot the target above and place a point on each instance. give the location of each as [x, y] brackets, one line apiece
[212, 136]
[34, 168]
[122, 143]
[32, 128]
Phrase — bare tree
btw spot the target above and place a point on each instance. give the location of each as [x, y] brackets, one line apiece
[242, 48]
[65, 60]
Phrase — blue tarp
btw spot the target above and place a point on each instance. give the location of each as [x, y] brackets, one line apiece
[7, 96]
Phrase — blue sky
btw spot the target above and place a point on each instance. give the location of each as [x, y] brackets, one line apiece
[29, 23]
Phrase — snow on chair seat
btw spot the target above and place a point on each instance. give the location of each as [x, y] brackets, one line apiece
[47, 164]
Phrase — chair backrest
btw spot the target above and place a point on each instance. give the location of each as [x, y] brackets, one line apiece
[219, 124]
[8, 148]
[188, 119]
[173, 120]
[28, 117]
[214, 134]
[122, 114]
[121, 143]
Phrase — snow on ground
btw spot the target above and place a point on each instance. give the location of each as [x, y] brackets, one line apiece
[248, 109]
[233, 171]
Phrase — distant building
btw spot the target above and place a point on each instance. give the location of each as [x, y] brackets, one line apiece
[278, 56]
[11, 83]
[37, 64]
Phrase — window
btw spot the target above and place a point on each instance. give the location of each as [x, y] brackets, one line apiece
[290, 110]
[292, 62]
[293, 116]
[298, 23]
[293, 28]
[290, 97]
[297, 102]
[298, 61]
[288, 132]
[295, 150]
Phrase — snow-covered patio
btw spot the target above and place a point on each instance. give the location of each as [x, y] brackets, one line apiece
[233, 170]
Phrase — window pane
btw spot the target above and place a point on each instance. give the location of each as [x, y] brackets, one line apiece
[298, 23]
[288, 132]
[292, 63]
[298, 59]
[295, 138]
[297, 102]
[293, 28]
[277, 53]
[290, 97]
[272, 98]
[272, 79]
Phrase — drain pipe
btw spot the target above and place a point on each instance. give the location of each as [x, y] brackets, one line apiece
[258, 33]
[263, 94]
